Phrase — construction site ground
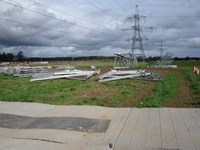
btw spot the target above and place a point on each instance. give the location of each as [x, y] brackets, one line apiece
[123, 93]
[48, 127]
[184, 98]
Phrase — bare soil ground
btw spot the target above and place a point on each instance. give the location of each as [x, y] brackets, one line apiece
[143, 89]
[185, 97]
[126, 93]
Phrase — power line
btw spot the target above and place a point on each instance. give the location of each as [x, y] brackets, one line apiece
[40, 13]
[90, 3]
[34, 26]
[174, 16]
[137, 46]
[175, 31]
[107, 7]
[44, 5]
[164, 5]
[40, 27]
[117, 4]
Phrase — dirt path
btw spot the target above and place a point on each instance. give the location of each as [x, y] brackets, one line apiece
[185, 95]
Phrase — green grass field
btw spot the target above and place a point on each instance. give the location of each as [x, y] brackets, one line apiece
[121, 93]
[70, 92]
[163, 92]
[185, 64]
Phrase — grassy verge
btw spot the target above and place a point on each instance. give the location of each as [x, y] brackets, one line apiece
[183, 64]
[107, 63]
[85, 64]
[163, 92]
[194, 79]
[51, 92]
[121, 93]
[124, 96]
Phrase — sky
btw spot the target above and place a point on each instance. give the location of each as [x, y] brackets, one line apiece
[65, 28]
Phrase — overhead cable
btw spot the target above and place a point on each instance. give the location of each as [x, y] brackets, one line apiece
[99, 3]
[61, 20]
[90, 3]
[117, 4]
[66, 13]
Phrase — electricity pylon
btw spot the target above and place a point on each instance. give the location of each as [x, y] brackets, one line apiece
[165, 59]
[161, 49]
[137, 49]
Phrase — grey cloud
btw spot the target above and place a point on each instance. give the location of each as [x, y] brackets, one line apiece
[40, 42]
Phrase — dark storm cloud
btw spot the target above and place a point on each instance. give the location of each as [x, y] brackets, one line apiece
[21, 27]
[102, 34]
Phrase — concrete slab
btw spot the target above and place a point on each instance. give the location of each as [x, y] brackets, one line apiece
[27, 109]
[129, 128]
[154, 130]
[61, 123]
[168, 135]
[183, 136]
[78, 111]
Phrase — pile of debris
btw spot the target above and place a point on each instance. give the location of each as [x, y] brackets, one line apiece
[66, 74]
[24, 71]
[124, 60]
[30, 71]
[129, 74]
[41, 73]
[3, 70]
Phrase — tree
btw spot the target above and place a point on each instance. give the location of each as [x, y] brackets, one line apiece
[6, 57]
[20, 56]
[9, 57]
[0, 57]
[3, 57]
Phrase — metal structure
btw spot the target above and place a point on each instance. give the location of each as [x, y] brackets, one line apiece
[39, 73]
[137, 50]
[165, 59]
[124, 60]
[29, 71]
[137, 47]
[66, 74]
[129, 74]
[24, 71]
[161, 49]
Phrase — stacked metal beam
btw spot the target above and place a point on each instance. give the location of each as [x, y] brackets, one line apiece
[129, 74]
[67, 74]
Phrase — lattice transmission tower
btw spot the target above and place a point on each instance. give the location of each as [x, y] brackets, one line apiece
[137, 47]
[137, 50]
[165, 59]
[161, 49]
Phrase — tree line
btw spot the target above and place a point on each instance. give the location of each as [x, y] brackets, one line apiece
[9, 57]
